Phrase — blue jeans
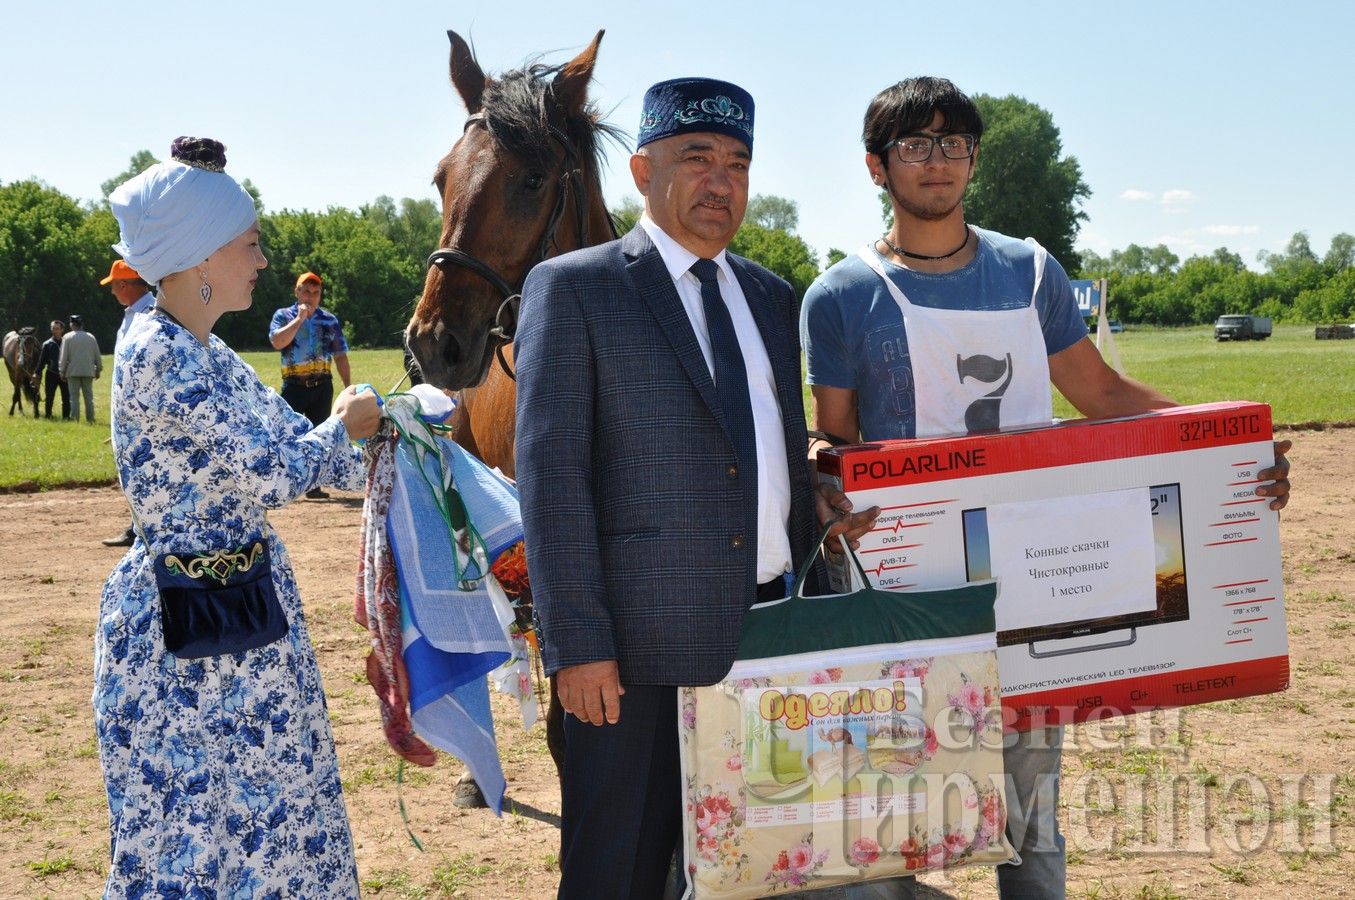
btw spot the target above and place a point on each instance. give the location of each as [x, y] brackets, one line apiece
[1031, 760]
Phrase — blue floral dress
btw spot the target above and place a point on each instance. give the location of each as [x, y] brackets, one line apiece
[221, 772]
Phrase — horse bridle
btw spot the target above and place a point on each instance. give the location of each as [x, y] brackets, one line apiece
[27, 353]
[506, 317]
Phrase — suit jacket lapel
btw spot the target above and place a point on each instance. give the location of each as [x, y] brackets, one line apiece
[655, 286]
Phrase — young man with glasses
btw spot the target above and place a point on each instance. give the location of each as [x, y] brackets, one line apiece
[940, 327]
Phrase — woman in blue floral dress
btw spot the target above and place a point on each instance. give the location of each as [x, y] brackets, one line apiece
[221, 771]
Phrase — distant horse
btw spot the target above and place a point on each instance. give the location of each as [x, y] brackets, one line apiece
[520, 185]
[21, 361]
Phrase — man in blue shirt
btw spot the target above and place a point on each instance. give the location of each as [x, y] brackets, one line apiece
[939, 327]
[309, 338]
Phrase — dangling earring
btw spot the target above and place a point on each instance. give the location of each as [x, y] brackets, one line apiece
[205, 292]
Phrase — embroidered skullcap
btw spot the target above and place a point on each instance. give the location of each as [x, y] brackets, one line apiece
[684, 105]
[177, 213]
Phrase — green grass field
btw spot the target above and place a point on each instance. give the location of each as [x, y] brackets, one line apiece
[1303, 379]
[51, 454]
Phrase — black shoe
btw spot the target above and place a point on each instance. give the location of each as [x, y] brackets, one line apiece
[123, 540]
[316, 494]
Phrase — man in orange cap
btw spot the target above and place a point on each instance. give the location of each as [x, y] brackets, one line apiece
[132, 293]
[135, 297]
[309, 338]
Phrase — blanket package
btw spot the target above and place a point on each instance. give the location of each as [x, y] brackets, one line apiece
[857, 737]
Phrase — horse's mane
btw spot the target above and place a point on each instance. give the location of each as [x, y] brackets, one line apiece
[518, 105]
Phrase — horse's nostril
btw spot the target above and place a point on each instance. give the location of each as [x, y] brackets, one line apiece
[451, 349]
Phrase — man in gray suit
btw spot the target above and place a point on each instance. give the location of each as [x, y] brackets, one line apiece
[80, 363]
[661, 460]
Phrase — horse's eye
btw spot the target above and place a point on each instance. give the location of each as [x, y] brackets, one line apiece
[535, 180]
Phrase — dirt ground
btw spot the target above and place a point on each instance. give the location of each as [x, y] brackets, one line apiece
[1248, 798]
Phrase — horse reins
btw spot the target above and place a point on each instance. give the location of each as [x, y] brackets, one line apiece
[505, 318]
[26, 353]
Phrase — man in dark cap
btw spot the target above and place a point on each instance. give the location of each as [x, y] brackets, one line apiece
[661, 462]
[80, 363]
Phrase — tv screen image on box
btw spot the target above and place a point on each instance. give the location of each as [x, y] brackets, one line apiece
[1172, 603]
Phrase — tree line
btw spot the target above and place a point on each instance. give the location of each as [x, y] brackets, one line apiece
[1152, 285]
[55, 249]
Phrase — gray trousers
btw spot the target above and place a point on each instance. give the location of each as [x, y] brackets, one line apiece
[81, 387]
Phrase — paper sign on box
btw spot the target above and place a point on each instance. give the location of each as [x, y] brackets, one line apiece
[1138, 568]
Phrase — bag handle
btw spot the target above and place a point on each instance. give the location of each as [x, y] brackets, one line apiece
[809, 564]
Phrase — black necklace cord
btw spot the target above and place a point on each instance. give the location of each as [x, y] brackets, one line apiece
[902, 252]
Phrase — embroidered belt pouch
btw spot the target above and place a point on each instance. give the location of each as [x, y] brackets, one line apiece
[212, 604]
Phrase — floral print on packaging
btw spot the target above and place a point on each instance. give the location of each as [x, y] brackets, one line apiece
[844, 766]
[221, 773]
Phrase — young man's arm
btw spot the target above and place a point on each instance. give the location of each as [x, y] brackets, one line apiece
[835, 414]
[1097, 390]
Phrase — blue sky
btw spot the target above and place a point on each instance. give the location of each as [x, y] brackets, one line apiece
[1198, 125]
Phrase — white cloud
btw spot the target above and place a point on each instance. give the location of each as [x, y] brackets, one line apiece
[1181, 244]
[1135, 195]
[1177, 196]
[1095, 241]
[1231, 230]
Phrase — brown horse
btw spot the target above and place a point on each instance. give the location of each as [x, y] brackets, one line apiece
[522, 184]
[21, 361]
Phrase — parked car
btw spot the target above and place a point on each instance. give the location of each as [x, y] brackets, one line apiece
[1115, 326]
[1242, 328]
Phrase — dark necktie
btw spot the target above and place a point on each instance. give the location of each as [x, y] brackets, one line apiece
[731, 378]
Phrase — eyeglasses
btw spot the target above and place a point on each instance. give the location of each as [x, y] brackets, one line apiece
[918, 147]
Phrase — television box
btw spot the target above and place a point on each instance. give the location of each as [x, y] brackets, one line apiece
[1137, 568]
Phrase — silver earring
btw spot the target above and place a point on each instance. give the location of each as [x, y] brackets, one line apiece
[205, 292]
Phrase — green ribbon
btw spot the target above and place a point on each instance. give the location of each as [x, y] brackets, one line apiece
[403, 410]
[400, 797]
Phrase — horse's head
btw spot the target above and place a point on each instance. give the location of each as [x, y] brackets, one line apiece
[26, 352]
[20, 350]
[29, 350]
[28, 340]
[515, 189]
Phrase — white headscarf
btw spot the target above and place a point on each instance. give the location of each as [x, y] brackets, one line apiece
[173, 216]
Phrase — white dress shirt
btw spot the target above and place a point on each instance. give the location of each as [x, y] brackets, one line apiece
[129, 314]
[773, 473]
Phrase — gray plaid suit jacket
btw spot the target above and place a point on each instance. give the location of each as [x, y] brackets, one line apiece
[636, 518]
